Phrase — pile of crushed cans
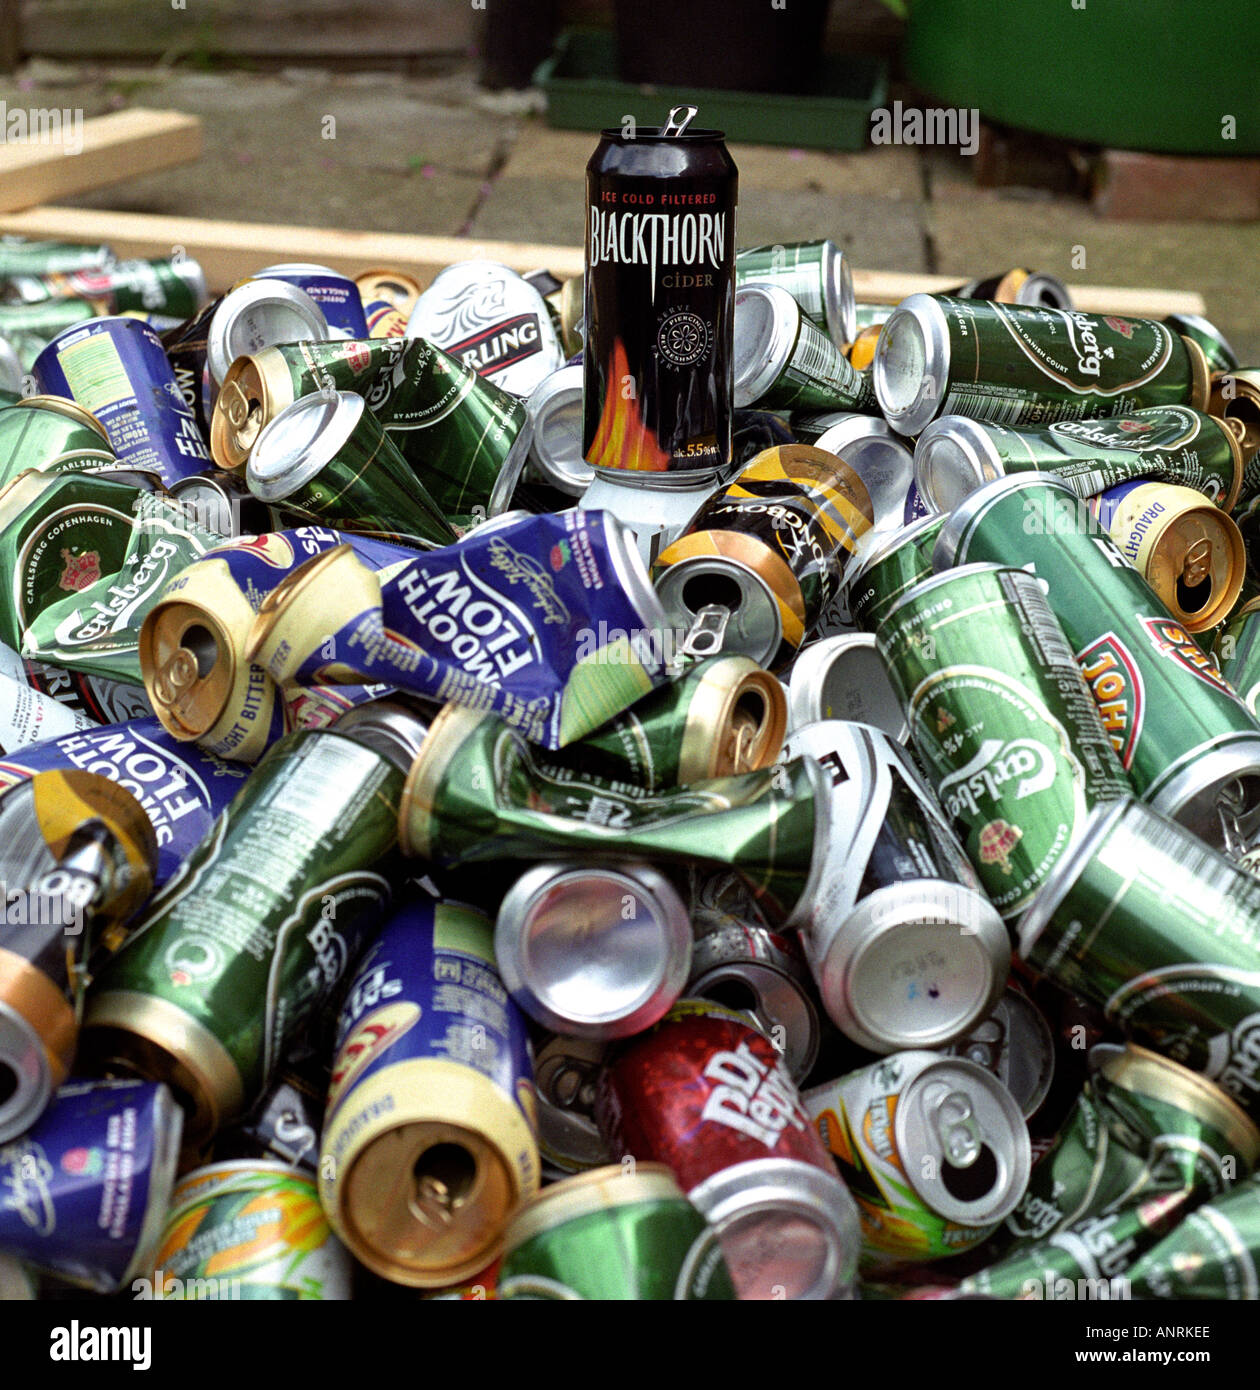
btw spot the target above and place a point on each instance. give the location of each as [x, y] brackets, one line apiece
[667, 785]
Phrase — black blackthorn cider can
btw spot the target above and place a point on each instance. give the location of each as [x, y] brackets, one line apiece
[660, 307]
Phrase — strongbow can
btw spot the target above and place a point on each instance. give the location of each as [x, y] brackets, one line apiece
[771, 548]
[429, 1142]
[249, 1230]
[613, 1234]
[1002, 721]
[934, 1151]
[1018, 365]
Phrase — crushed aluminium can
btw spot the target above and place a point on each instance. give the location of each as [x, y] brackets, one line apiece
[1211, 1254]
[249, 1230]
[887, 567]
[541, 621]
[612, 1234]
[1002, 721]
[1183, 736]
[477, 793]
[429, 1142]
[174, 286]
[1159, 959]
[1238, 651]
[52, 435]
[118, 369]
[933, 1149]
[906, 949]
[84, 1192]
[1021, 365]
[77, 862]
[770, 548]
[336, 295]
[237, 952]
[1163, 443]
[842, 677]
[706, 1093]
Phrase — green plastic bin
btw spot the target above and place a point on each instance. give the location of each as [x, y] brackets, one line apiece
[584, 93]
[1132, 74]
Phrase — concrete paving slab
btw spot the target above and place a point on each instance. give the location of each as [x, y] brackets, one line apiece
[877, 233]
[551, 211]
[885, 172]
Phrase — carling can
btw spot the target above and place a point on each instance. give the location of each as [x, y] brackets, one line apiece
[491, 319]
[1163, 443]
[1163, 933]
[118, 369]
[906, 949]
[336, 295]
[817, 274]
[771, 548]
[1183, 736]
[1190, 552]
[249, 1230]
[1002, 721]
[660, 281]
[84, 1192]
[706, 1093]
[430, 1139]
[238, 951]
[934, 1150]
[86, 697]
[77, 861]
[1021, 365]
[612, 1234]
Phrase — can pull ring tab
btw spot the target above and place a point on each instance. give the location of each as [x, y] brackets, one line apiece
[955, 1124]
[704, 637]
[679, 119]
[1230, 802]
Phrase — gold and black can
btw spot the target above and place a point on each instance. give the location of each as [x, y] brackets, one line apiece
[1188, 550]
[77, 858]
[770, 548]
[430, 1139]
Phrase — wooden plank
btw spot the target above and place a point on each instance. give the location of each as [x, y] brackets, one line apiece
[89, 154]
[228, 250]
[890, 287]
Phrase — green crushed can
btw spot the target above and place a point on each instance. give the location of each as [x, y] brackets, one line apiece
[1001, 721]
[1214, 1253]
[609, 1234]
[889, 565]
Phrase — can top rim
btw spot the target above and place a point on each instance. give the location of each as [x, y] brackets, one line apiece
[653, 135]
